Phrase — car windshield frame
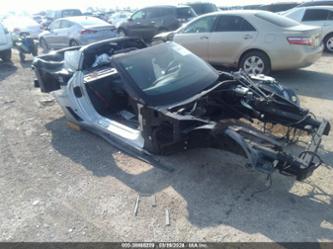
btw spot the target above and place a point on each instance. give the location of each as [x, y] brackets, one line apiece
[199, 77]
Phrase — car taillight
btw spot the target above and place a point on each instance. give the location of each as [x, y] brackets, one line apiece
[87, 31]
[306, 41]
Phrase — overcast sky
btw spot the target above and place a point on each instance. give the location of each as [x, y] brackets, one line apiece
[36, 5]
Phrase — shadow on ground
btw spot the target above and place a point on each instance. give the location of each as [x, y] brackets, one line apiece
[216, 188]
[307, 83]
[6, 69]
[26, 63]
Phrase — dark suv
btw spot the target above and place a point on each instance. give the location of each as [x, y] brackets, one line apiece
[278, 7]
[201, 8]
[316, 3]
[147, 22]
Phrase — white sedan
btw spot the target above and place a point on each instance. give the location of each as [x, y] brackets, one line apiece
[321, 16]
[256, 41]
[22, 24]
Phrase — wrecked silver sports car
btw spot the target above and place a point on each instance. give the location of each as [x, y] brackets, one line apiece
[164, 99]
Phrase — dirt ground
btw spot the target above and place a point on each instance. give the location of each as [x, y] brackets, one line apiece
[58, 184]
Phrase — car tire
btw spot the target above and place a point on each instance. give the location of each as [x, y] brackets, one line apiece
[73, 43]
[43, 44]
[22, 57]
[35, 50]
[6, 55]
[122, 32]
[328, 43]
[255, 62]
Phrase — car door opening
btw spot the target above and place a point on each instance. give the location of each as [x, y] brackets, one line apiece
[109, 98]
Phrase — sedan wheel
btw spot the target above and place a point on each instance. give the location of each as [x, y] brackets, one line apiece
[329, 44]
[255, 63]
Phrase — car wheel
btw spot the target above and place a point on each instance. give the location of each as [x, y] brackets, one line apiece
[329, 43]
[6, 55]
[122, 33]
[255, 62]
[43, 44]
[35, 50]
[73, 43]
[22, 57]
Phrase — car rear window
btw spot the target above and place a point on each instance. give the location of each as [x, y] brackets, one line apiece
[277, 20]
[185, 12]
[91, 21]
[316, 15]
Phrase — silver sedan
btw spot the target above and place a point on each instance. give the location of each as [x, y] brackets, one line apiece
[74, 31]
[256, 41]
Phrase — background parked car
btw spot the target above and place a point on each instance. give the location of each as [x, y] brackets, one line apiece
[315, 3]
[278, 7]
[147, 22]
[56, 14]
[22, 24]
[119, 17]
[251, 7]
[201, 8]
[256, 41]
[73, 31]
[101, 15]
[52, 15]
[5, 44]
[38, 18]
[319, 16]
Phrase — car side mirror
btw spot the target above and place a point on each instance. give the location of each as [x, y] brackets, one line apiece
[130, 19]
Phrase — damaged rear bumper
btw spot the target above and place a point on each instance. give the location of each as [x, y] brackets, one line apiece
[265, 153]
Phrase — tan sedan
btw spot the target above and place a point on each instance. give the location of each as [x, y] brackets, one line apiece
[256, 41]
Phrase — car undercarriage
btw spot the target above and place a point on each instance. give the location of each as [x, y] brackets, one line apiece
[221, 118]
[147, 106]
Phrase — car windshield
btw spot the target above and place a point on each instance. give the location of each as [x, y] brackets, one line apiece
[167, 73]
[276, 19]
